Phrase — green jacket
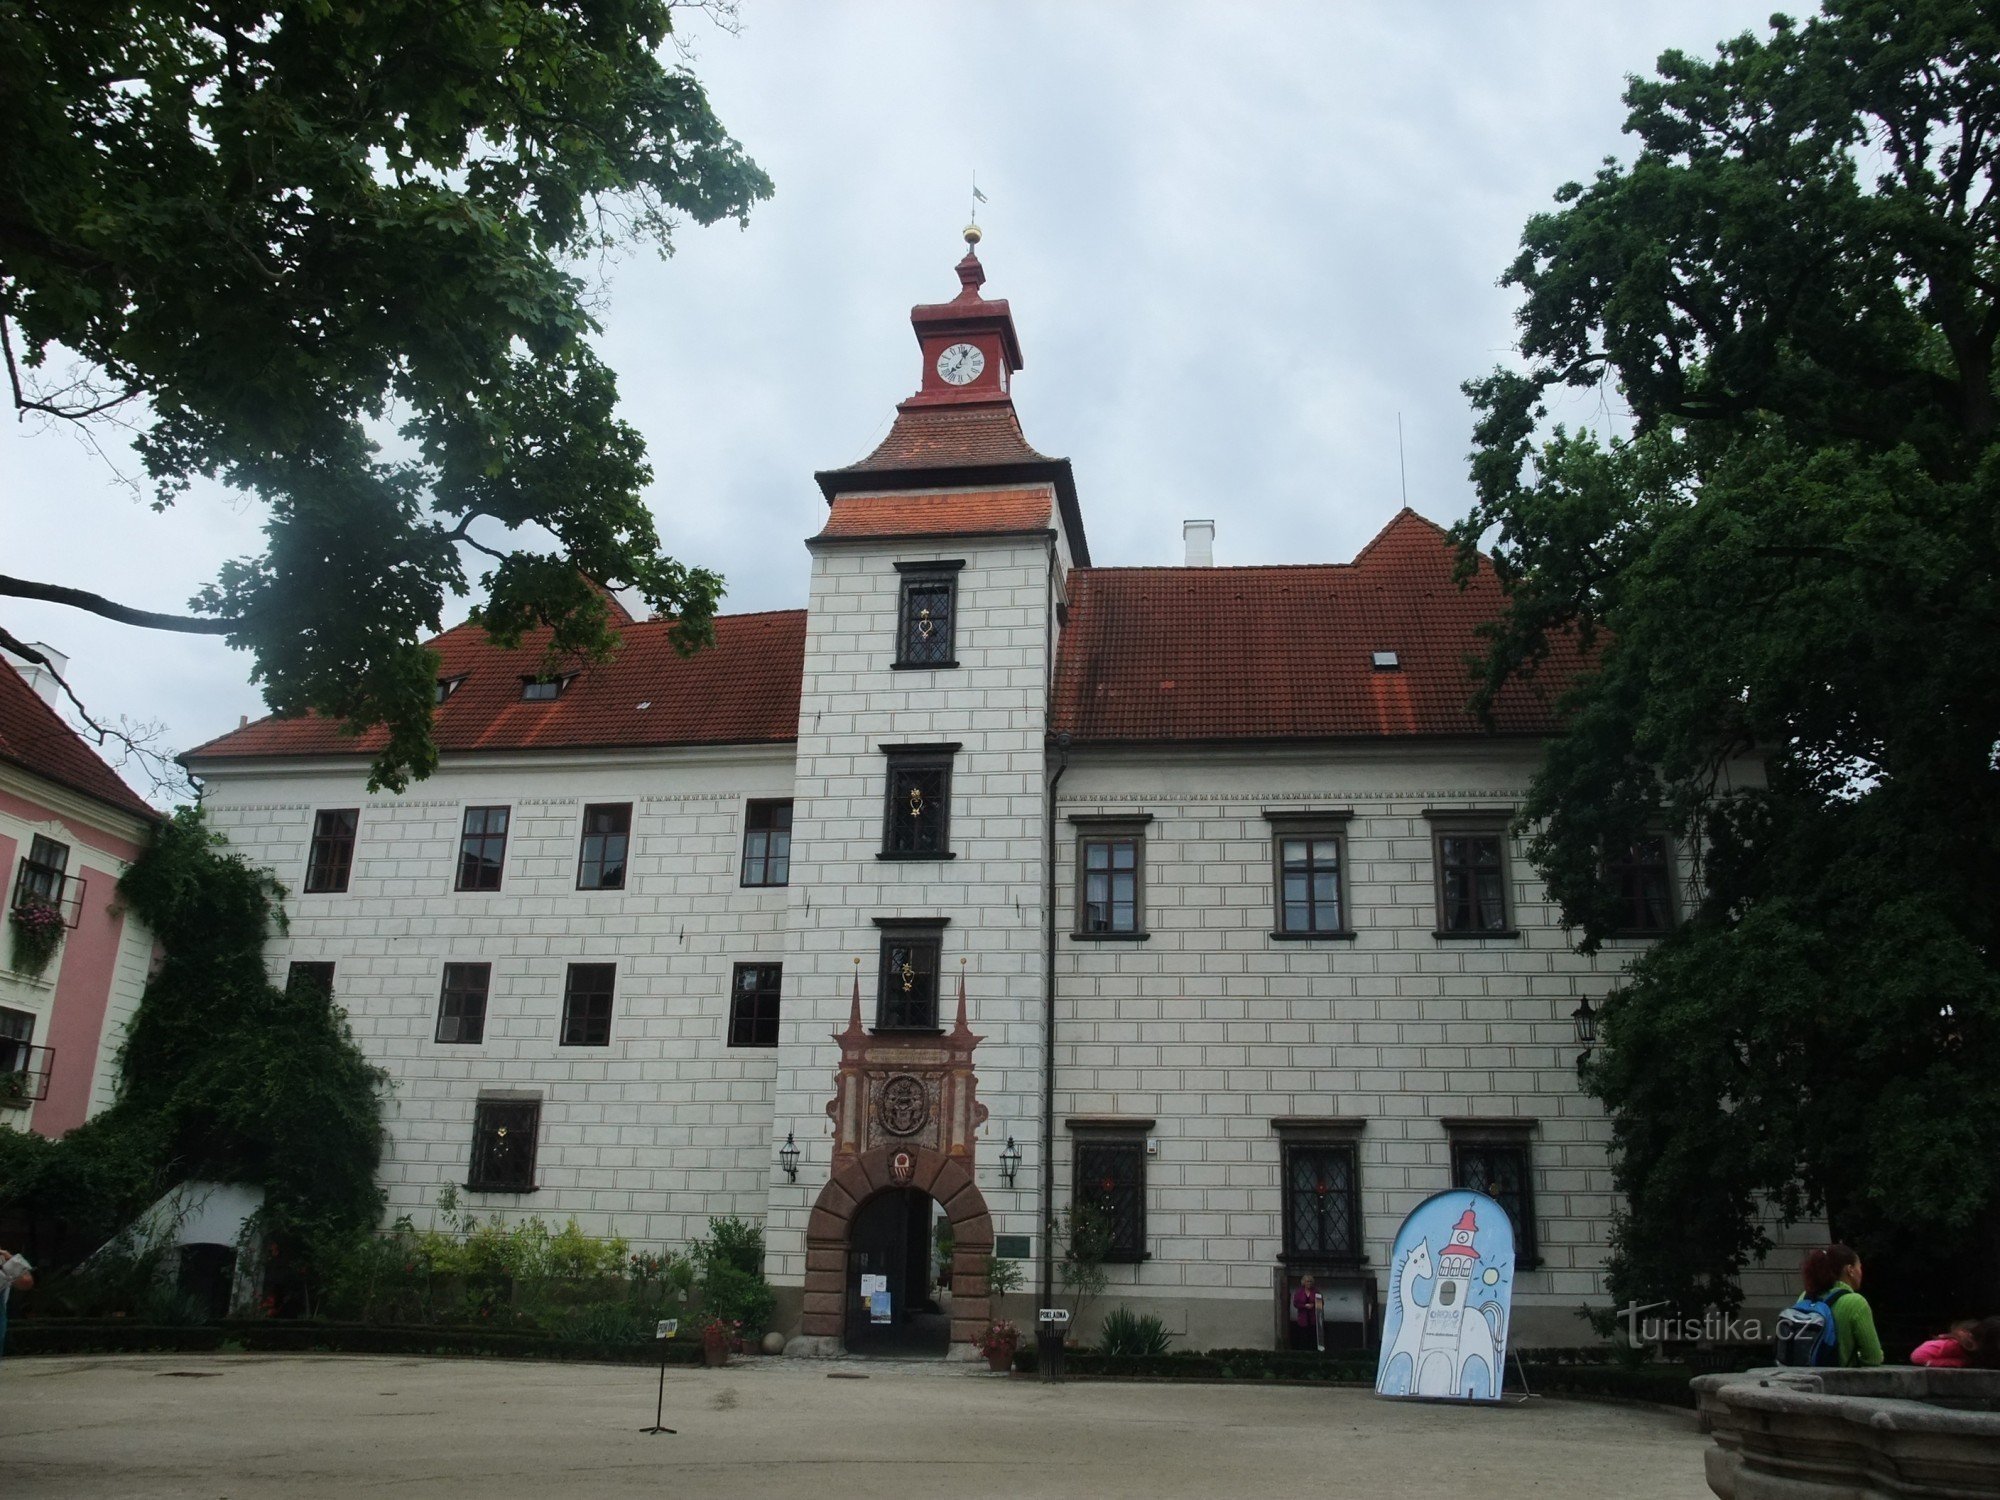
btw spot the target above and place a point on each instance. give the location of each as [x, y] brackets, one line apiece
[1854, 1327]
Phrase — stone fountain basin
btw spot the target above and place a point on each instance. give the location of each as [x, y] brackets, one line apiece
[1893, 1431]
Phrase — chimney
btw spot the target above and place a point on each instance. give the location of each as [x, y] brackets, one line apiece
[38, 676]
[1200, 539]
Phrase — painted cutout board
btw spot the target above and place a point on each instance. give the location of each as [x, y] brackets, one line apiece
[1451, 1296]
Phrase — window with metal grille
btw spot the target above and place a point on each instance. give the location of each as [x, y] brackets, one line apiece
[1643, 879]
[587, 993]
[1111, 881]
[332, 854]
[1322, 1202]
[503, 1145]
[909, 1000]
[462, 1003]
[1110, 1183]
[767, 843]
[315, 974]
[1472, 880]
[482, 848]
[917, 820]
[924, 635]
[753, 1005]
[607, 835]
[1500, 1167]
[1310, 860]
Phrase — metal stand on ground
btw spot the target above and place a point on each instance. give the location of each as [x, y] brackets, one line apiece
[664, 1331]
[1521, 1370]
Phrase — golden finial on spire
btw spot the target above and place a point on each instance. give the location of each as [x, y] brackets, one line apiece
[973, 234]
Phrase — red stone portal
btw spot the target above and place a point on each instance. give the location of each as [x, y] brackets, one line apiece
[905, 1115]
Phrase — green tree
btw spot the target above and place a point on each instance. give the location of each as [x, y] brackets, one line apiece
[1785, 575]
[270, 234]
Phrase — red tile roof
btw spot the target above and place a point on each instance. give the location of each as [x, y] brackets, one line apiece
[941, 437]
[1285, 653]
[34, 737]
[742, 690]
[980, 513]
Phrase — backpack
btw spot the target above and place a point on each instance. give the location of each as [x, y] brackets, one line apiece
[1806, 1334]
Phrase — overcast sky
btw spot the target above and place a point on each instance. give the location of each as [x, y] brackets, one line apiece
[1238, 240]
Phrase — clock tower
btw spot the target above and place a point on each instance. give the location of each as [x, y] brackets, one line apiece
[971, 350]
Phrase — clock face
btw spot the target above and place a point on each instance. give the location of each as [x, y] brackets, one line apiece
[961, 364]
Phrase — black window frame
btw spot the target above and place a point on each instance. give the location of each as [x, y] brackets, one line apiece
[17, 1041]
[483, 852]
[587, 1013]
[1495, 827]
[1108, 832]
[1627, 874]
[43, 872]
[755, 1008]
[761, 821]
[921, 582]
[556, 683]
[1479, 1142]
[1098, 1157]
[910, 1011]
[917, 829]
[317, 972]
[455, 994]
[1297, 1152]
[446, 686]
[1311, 829]
[584, 859]
[330, 853]
[499, 1164]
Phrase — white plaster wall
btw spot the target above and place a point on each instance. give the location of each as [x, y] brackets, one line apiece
[1214, 1029]
[646, 1138]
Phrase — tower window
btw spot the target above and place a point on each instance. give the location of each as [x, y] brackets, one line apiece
[503, 1145]
[927, 619]
[916, 821]
[909, 1000]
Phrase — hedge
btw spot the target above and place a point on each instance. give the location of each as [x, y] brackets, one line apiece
[275, 1336]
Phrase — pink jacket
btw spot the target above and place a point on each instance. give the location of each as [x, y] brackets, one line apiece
[1944, 1351]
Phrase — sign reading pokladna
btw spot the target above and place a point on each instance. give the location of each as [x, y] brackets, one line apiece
[1451, 1294]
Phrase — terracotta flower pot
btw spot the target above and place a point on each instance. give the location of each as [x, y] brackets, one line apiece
[1000, 1360]
[714, 1355]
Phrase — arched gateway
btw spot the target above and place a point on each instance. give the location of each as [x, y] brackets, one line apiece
[905, 1122]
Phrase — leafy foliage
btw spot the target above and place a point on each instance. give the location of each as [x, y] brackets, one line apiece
[1788, 574]
[1125, 1334]
[272, 232]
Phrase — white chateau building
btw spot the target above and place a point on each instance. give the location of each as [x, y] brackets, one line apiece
[1215, 856]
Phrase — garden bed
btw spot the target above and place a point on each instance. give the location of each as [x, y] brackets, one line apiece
[273, 1336]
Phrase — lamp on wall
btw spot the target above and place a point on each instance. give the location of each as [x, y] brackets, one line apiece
[1010, 1161]
[1585, 1020]
[788, 1157]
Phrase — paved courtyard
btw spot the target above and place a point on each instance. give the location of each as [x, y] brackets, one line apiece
[244, 1426]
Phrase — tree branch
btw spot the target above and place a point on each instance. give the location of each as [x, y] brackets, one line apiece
[168, 776]
[124, 614]
[24, 402]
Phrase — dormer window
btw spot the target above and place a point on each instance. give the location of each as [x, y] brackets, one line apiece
[446, 686]
[544, 689]
[926, 622]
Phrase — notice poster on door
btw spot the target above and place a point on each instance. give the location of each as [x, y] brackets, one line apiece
[875, 1292]
[1451, 1286]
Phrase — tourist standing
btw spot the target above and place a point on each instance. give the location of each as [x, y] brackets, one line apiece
[14, 1271]
[1306, 1314]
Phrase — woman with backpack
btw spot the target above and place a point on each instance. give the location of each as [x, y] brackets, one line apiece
[1832, 1278]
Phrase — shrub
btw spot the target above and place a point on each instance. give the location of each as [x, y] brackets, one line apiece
[1127, 1335]
[1002, 1276]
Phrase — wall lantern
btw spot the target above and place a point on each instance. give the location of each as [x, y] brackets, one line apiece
[1585, 1020]
[788, 1157]
[1010, 1161]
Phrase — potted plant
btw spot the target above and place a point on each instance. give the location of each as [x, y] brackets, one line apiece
[997, 1341]
[715, 1340]
[38, 933]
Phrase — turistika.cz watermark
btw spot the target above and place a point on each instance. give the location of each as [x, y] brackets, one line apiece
[1670, 1327]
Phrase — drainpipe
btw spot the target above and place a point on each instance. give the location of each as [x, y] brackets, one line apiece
[1049, 1043]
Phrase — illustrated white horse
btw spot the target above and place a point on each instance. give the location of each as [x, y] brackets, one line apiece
[1416, 1267]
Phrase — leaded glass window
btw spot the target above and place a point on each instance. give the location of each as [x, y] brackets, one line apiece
[1111, 1183]
[917, 820]
[1322, 1203]
[925, 635]
[503, 1145]
[909, 1000]
[1501, 1169]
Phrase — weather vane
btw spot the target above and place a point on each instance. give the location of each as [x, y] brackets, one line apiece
[977, 197]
